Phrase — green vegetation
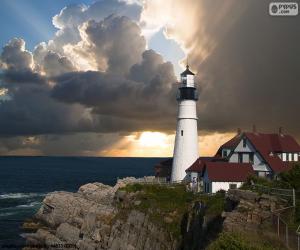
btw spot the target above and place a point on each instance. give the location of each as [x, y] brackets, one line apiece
[239, 241]
[167, 205]
[285, 180]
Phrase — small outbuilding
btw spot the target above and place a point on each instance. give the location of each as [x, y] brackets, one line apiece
[224, 176]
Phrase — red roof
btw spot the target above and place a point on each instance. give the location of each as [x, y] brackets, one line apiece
[225, 171]
[267, 143]
[274, 142]
[198, 165]
[231, 144]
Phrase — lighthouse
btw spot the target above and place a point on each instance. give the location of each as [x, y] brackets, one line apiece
[186, 140]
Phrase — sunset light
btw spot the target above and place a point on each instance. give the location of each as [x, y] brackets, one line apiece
[152, 139]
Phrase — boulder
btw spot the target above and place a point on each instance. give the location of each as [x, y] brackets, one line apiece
[60, 207]
[68, 233]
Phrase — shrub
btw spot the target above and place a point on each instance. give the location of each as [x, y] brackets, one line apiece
[230, 241]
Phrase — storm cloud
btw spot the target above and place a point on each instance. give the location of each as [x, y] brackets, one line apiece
[97, 74]
[251, 75]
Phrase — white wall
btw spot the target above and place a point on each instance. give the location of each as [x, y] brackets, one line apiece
[216, 186]
[186, 140]
[248, 148]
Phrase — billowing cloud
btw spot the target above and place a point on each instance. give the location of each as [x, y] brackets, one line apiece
[246, 60]
[141, 95]
[54, 64]
[97, 75]
[116, 40]
[15, 57]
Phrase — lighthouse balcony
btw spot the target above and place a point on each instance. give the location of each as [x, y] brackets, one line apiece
[187, 93]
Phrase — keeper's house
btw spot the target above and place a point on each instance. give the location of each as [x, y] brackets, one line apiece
[246, 154]
[224, 176]
[266, 154]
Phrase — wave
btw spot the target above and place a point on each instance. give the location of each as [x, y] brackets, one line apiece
[7, 214]
[29, 205]
[20, 195]
[32, 204]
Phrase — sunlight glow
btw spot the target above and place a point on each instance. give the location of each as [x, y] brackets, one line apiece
[157, 144]
[153, 139]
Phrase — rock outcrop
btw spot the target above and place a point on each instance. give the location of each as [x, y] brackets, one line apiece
[103, 217]
[92, 218]
[249, 210]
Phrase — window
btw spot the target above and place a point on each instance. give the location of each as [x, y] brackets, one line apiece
[283, 156]
[251, 158]
[244, 142]
[240, 158]
[232, 186]
[181, 132]
[224, 153]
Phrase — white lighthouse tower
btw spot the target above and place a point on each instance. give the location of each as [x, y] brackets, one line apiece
[186, 140]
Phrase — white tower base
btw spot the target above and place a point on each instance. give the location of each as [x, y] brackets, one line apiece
[186, 141]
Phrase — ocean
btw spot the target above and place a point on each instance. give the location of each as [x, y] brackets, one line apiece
[24, 182]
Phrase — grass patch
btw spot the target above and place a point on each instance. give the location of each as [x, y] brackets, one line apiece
[167, 205]
[245, 241]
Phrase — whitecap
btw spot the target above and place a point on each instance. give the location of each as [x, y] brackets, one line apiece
[7, 214]
[20, 195]
[32, 204]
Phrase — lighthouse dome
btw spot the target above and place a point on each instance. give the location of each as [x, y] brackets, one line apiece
[187, 72]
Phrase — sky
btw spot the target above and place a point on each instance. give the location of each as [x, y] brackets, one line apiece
[99, 78]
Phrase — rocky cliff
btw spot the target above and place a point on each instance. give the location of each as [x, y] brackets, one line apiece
[132, 217]
[93, 219]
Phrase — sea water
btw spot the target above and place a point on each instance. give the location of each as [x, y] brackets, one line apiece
[24, 182]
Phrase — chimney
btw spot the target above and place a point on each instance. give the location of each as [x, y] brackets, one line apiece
[239, 131]
[280, 131]
[254, 128]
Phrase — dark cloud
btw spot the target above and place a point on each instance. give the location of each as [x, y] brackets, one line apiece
[140, 96]
[247, 64]
[133, 98]
[252, 74]
[11, 77]
[118, 40]
[86, 144]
